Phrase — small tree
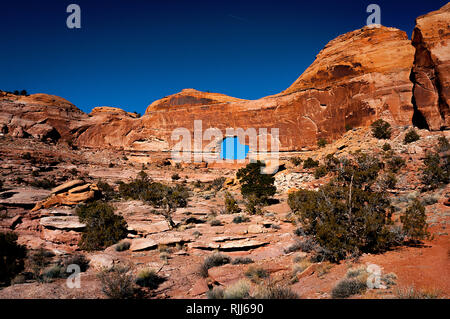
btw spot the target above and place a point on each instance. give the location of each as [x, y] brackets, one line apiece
[381, 129]
[443, 144]
[310, 163]
[434, 174]
[254, 183]
[103, 227]
[231, 206]
[117, 283]
[321, 142]
[12, 256]
[415, 222]
[411, 136]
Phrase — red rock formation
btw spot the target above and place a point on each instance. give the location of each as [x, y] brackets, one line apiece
[357, 78]
[39, 115]
[431, 72]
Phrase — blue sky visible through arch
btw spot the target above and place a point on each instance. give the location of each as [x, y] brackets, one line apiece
[232, 149]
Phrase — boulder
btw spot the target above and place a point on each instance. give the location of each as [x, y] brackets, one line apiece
[68, 198]
[145, 228]
[143, 244]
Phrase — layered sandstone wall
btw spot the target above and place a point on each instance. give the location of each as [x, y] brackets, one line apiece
[370, 73]
[431, 72]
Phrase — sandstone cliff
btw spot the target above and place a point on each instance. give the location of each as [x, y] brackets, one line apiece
[370, 73]
[431, 72]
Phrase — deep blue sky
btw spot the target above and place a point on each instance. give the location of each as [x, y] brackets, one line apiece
[129, 53]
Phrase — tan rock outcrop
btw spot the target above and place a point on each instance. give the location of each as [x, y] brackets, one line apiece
[70, 193]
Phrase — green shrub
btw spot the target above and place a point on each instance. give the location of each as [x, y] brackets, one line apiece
[435, 174]
[381, 129]
[296, 160]
[300, 267]
[12, 256]
[331, 163]
[275, 291]
[76, 259]
[103, 227]
[38, 260]
[149, 278]
[122, 246]
[175, 177]
[321, 142]
[217, 183]
[53, 272]
[294, 247]
[396, 163]
[415, 222]
[107, 190]
[348, 127]
[240, 219]
[231, 206]
[253, 206]
[256, 184]
[214, 260]
[242, 260]
[27, 156]
[346, 216]
[215, 293]
[117, 283]
[443, 144]
[386, 147]
[157, 194]
[255, 274]
[320, 171]
[215, 222]
[43, 183]
[414, 293]
[310, 163]
[411, 136]
[239, 290]
[388, 181]
[348, 287]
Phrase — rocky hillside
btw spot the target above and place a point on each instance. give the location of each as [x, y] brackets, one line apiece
[370, 73]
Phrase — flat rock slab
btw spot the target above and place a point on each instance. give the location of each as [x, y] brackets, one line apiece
[226, 274]
[143, 244]
[255, 229]
[101, 261]
[227, 238]
[233, 245]
[62, 222]
[172, 240]
[201, 245]
[243, 244]
[23, 197]
[148, 227]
